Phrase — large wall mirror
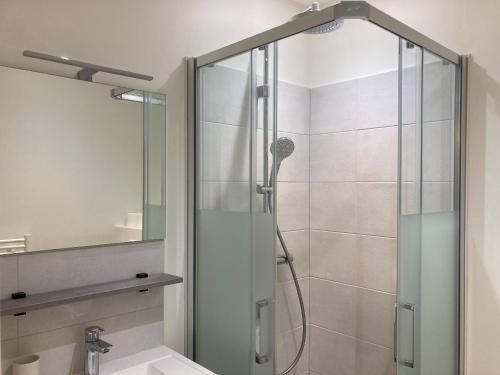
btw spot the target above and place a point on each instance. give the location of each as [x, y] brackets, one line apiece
[82, 164]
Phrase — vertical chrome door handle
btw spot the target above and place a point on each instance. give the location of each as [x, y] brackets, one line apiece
[259, 340]
[395, 344]
[411, 307]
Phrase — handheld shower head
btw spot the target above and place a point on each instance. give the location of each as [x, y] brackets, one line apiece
[284, 148]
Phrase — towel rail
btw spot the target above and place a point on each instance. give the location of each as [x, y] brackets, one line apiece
[15, 245]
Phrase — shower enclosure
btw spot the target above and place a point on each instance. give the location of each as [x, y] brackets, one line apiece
[326, 188]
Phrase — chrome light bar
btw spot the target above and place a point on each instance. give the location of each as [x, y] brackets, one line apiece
[88, 70]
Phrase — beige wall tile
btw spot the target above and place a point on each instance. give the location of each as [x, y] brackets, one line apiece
[378, 100]
[357, 312]
[373, 360]
[365, 261]
[332, 353]
[288, 345]
[298, 245]
[85, 311]
[293, 108]
[377, 154]
[333, 207]
[293, 205]
[288, 313]
[334, 107]
[376, 209]
[334, 256]
[333, 157]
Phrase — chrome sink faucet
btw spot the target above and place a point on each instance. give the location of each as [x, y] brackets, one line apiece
[93, 347]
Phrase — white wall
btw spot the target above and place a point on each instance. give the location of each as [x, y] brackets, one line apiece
[480, 32]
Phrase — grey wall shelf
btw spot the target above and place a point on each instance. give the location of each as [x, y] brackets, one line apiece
[60, 297]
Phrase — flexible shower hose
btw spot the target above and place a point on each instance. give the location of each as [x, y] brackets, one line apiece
[301, 301]
[288, 259]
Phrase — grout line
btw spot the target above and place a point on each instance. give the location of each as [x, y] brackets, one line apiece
[353, 233]
[355, 130]
[433, 123]
[246, 127]
[354, 182]
[354, 286]
[294, 230]
[352, 337]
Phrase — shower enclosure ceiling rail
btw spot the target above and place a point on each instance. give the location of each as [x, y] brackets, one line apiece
[343, 10]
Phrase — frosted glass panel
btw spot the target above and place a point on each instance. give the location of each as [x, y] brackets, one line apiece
[439, 301]
[440, 249]
[224, 301]
[235, 254]
[224, 258]
[409, 206]
[428, 248]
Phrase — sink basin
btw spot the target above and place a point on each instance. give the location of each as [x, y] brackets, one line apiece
[157, 361]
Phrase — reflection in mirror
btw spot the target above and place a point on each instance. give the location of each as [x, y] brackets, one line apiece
[82, 164]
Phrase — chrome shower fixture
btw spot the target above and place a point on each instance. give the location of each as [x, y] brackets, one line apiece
[321, 29]
[284, 148]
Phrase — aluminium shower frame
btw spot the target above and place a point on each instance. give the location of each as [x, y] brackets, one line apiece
[344, 10]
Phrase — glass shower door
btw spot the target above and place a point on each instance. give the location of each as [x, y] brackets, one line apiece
[235, 225]
[428, 248]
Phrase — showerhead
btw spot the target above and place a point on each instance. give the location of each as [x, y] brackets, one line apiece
[321, 29]
[284, 148]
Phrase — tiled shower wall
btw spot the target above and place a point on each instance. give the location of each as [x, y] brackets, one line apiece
[343, 191]
[293, 220]
[353, 214]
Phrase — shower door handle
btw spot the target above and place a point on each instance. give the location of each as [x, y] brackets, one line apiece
[261, 356]
[395, 342]
[411, 307]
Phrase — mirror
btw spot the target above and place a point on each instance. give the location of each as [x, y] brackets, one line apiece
[82, 164]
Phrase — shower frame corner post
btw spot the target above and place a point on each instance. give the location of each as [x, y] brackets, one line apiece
[461, 145]
[189, 290]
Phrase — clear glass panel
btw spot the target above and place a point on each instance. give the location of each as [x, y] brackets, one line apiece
[440, 250]
[235, 261]
[154, 160]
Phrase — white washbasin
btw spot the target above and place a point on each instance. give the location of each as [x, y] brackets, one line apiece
[157, 361]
